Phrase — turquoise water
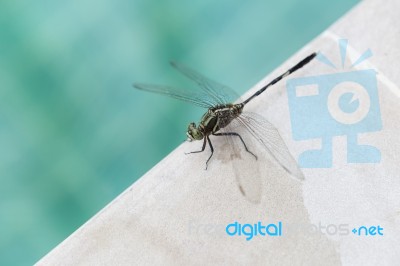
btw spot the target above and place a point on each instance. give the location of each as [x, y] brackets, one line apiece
[73, 132]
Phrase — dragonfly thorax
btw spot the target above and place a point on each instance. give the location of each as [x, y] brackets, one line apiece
[213, 120]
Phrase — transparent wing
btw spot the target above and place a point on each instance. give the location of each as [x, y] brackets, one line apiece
[221, 94]
[196, 98]
[266, 134]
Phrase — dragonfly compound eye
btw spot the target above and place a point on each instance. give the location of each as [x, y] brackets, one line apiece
[193, 133]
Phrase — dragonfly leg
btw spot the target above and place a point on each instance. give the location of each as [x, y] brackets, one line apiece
[240, 137]
[202, 148]
[212, 151]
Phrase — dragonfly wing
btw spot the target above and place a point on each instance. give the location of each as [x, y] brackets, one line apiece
[269, 137]
[220, 93]
[196, 98]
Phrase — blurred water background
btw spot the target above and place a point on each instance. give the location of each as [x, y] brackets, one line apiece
[74, 133]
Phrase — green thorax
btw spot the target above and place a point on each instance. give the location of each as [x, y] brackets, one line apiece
[219, 117]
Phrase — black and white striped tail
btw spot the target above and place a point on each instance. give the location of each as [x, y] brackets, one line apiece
[302, 63]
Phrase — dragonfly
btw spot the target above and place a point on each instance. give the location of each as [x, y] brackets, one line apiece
[225, 112]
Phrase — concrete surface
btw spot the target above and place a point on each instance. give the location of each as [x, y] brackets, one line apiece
[177, 212]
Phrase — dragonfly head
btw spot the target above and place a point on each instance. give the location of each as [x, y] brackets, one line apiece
[194, 133]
